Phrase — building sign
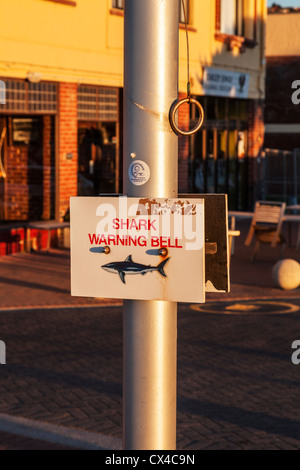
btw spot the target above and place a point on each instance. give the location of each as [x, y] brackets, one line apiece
[217, 82]
[134, 248]
[25, 130]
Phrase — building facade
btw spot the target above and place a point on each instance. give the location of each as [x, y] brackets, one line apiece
[229, 80]
[281, 162]
[282, 108]
[61, 64]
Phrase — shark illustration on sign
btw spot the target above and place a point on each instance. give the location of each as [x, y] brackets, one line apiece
[130, 267]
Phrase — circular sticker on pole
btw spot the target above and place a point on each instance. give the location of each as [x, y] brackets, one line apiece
[139, 173]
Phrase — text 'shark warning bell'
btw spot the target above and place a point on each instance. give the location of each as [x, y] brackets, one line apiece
[138, 248]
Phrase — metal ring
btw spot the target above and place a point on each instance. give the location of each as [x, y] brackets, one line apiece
[174, 109]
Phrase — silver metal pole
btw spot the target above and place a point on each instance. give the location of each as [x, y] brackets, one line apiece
[150, 327]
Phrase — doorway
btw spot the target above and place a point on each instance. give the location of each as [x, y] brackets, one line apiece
[98, 161]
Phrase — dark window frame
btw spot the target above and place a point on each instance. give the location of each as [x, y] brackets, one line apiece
[119, 5]
[181, 12]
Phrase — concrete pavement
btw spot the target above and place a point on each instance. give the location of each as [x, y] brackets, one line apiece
[62, 384]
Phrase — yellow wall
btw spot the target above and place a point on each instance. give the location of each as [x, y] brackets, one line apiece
[283, 34]
[84, 44]
[63, 43]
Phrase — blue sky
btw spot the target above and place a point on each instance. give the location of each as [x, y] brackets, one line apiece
[285, 3]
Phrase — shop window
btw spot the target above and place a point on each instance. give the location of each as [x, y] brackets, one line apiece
[211, 108]
[28, 158]
[42, 97]
[218, 158]
[98, 161]
[24, 131]
[97, 103]
[233, 109]
[222, 109]
[243, 110]
[26, 97]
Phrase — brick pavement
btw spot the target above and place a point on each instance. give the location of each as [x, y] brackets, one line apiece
[237, 387]
[39, 279]
[13, 442]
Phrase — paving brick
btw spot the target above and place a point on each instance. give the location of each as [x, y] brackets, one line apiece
[13, 442]
[237, 387]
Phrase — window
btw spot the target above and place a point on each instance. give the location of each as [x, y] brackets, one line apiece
[236, 23]
[118, 4]
[26, 97]
[97, 103]
[231, 17]
[42, 97]
[187, 11]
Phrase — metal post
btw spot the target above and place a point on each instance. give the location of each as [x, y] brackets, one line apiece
[150, 327]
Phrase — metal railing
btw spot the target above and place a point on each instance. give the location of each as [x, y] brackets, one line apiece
[280, 175]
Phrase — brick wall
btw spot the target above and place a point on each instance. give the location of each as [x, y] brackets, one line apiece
[47, 168]
[67, 145]
[255, 146]
[16, 199]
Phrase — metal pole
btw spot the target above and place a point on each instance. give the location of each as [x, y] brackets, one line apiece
[150, 327]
